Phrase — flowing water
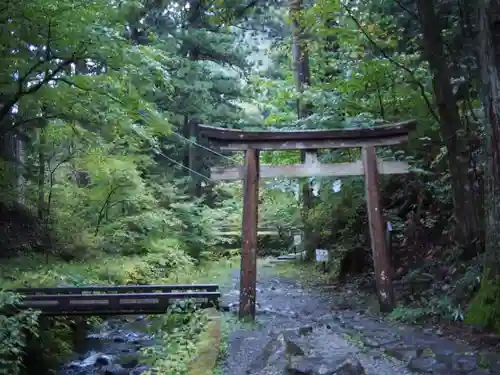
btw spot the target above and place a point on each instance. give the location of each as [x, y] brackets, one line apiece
[112, 349]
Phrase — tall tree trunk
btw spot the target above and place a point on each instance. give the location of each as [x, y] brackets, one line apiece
[41, 174]
[190, 130]
[193, 159]
[484, 310]
[302, 80]
[468, 222]
[21, 168]
[12, 153]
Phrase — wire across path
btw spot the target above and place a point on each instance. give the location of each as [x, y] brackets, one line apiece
[116, 300]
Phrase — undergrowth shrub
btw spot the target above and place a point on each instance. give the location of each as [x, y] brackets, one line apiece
[167, 255]
[54, 342]
[435, 310]
[14, 333]
[177, 336]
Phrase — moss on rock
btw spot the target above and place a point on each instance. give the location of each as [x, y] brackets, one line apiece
[484, 308]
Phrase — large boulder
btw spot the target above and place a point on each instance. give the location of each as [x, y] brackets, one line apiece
[286, 353]
[278, 352]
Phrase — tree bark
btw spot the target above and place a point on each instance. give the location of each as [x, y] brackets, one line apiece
[466, 205]
[484, 311]
[41, 174]
[193, 159]
[302, 79]
[194, 17]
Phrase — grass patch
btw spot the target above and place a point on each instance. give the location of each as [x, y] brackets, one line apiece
[208, 345]
[34, 271]
[306, 273]
[182, 341]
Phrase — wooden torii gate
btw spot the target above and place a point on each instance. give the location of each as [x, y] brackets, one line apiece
[251, 142]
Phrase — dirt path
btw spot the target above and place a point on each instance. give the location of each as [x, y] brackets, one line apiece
[296, 330]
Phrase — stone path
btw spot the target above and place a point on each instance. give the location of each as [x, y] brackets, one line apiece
[297, 333]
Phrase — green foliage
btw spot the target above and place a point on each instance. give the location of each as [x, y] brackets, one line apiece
[14, 331]
[177, 336]
[437, 308]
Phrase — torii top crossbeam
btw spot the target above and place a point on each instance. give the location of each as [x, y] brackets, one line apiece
[240, 140]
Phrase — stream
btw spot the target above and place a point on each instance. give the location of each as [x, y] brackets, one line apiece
[112, 349]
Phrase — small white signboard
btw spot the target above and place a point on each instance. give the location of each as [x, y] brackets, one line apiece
[321, 255]
[389, 226]
[297, 240]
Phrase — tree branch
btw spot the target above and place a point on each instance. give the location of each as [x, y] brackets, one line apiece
[17, 124]
[7, 107]
[397, 64]
[408, 10]
[86, 89]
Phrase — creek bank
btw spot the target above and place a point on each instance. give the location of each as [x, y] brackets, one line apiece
[296, 332]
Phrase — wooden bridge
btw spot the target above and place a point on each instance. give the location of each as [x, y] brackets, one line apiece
[115, 300]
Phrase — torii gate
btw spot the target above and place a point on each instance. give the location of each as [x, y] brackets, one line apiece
[251, 142]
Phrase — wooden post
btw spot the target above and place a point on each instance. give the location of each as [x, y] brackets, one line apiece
[248, 277]
[381, 259]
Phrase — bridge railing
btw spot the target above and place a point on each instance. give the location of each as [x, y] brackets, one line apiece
[115, 300]
[117, 289]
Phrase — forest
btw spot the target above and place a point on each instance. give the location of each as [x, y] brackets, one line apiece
[104, 179]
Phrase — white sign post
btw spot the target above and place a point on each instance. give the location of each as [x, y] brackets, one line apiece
[297, 240]
[321, 255]
[322, 258]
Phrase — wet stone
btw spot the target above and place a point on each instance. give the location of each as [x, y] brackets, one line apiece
[129, 361]
[349, 366]
[330, 322]
[322, 366]
[371, 342]
[114, 370]
[306, 330]
[428, 365]
[307, 366]
[278, 351]
[402, 352]
[376, 354]
[382, 338]
[102, 361]
[464, 363]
